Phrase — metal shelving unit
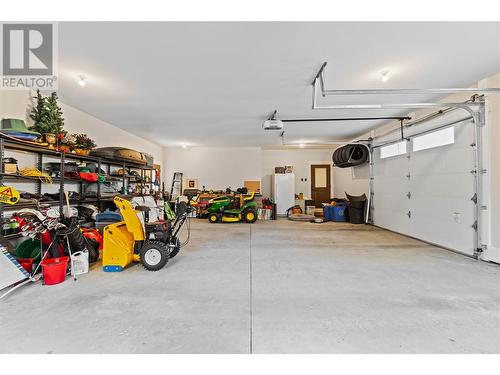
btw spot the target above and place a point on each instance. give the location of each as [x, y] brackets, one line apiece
[9, 144]
[41, 152]
[126, 180]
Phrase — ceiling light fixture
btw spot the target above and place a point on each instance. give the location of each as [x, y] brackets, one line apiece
[301, 145]
[184, 146]
[82, 81]
[385, 76]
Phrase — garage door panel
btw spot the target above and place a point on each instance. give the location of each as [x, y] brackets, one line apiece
[447, 209]
[441, 188]
[391, 185]
[448, 159]
[423, 187]
[460, 160]
[430, 206]
[464, 134]
[392, 220]
[426, 163]
[462, 207]
[447, 185]
[443, 233]
[393, 203]
[455, 185]
[391, 167]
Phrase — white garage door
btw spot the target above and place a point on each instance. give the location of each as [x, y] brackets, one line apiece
[426, 191]
[391, 186]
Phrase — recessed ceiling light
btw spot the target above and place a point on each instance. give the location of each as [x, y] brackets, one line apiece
[385, 76]
[184, 146]
[82, 81]
[301, 145]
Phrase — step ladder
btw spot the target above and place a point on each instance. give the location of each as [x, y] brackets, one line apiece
[176, 188]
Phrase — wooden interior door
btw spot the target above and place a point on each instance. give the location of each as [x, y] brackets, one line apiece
[320, 183]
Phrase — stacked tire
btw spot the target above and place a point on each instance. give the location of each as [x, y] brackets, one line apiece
[350, 156]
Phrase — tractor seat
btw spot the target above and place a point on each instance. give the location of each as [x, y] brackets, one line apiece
[142, 208]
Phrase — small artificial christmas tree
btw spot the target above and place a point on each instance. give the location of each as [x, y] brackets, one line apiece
[54, 115]
[39, 114]
[47, 117]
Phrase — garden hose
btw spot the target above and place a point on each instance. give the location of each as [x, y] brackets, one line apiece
[33, 172]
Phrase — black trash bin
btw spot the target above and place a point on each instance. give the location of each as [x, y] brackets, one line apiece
[357, 206]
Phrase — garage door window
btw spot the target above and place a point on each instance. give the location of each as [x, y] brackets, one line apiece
[393, 150]
[434, 139]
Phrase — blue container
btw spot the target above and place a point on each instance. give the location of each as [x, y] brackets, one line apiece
[328, 213]
[339, 212]
[108, 216]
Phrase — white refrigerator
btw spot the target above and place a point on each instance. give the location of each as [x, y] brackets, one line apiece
[283, 192]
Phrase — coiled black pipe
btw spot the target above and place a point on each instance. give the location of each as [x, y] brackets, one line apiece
[350, 155]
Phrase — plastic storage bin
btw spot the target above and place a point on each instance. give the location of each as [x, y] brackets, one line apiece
[26, 263]
[29, 249]
[339, 212]
[336, 213]
[328, 213]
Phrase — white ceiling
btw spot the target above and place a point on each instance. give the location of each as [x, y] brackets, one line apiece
[200, 83]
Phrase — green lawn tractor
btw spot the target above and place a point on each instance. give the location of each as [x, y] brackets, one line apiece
[232, 208]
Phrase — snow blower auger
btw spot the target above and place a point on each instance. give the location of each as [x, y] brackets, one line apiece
[152, 245]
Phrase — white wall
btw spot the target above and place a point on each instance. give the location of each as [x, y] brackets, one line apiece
[220, 167]
[301, 160]
[107, 135]
[16, 104]
[215, 167]
[353, 181]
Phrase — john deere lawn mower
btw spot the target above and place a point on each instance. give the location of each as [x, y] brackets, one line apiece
[232, 208]
[152, 244]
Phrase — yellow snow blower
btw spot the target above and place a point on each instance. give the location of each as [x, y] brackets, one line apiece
[127, 241]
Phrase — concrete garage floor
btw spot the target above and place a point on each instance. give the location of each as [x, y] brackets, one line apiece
[270, 287]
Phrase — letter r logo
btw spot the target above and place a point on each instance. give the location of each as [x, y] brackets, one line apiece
[27, 49]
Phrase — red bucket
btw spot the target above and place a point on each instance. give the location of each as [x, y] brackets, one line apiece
[54, 270]
[27, 264]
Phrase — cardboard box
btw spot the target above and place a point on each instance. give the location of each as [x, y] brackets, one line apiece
[10, 168]
[252, 186]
